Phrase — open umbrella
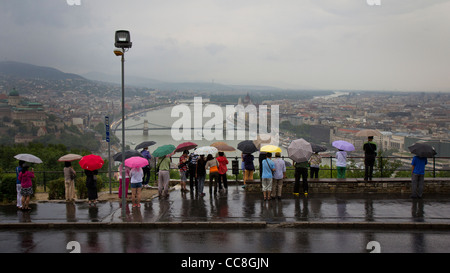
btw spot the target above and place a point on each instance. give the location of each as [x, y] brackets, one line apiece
[247, 147]
[185, 146]
[343, 145]
[28, 158]
[422, 150]
[144, 144]
[206, 150]
[317, 148]
[223, 147]
[136, 162]
[69, 157]
[299, 150]
[164, 150]
[368, 133]
[128, 154]
[91, 162]
[270, 149]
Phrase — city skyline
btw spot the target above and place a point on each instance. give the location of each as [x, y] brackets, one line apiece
[350, 45]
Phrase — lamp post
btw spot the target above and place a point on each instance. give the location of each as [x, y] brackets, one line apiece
[122, 43]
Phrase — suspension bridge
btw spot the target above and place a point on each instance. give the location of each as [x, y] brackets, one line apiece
[145, 126]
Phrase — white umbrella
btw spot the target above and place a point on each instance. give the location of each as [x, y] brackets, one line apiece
[28, 158]
[206, 150]
[69, 157]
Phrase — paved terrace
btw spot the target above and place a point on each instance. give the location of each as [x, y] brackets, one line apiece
[241, 208]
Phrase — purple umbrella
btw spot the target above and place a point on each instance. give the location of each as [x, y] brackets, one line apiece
[343, 145]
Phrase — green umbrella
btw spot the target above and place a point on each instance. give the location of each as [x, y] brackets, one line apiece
[164, 150]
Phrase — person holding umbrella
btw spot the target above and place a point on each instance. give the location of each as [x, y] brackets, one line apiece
[249, 167]
[91, 185]
[417, 176]
[164, 176]
[183, 168]
[136, 175]
[26, 190]
[341, 163]
[69, 181]
[421, 151]
[146, 169]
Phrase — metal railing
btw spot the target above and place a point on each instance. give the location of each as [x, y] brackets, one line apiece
[381, 167]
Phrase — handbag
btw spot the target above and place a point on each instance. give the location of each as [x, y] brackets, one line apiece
[214, 168]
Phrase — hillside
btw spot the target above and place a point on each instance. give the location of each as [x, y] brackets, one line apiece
[29, 71]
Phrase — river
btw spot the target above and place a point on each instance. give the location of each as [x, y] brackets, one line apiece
[163, 117]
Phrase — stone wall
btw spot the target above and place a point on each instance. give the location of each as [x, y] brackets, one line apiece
[354, 185]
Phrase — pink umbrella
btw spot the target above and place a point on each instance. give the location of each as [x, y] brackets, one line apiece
[136, 162]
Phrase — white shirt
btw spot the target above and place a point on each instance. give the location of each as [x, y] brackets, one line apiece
[341, 158]
[136, 175]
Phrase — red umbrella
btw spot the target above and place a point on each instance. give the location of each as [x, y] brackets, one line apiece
[185, 146]
[91, 162]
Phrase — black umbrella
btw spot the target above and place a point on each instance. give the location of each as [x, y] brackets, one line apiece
[128, 154]
[247, 147]
[144, 144]
[422, 150]
[317, 148]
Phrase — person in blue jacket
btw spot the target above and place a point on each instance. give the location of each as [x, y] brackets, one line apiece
[268, 167]
[417, 176]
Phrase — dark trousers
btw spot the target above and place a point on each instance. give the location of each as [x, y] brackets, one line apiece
[303, 172]
[314, 172]
[369, 161]
[193, 179]
[213, 178]
[223, 178]
[146, 177]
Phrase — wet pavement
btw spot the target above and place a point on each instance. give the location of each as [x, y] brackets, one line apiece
[238, 206]
[278, 232]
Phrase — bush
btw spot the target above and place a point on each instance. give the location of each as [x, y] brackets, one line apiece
[56, 189]
[8, 192]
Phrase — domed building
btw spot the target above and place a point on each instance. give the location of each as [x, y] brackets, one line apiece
[14, 98]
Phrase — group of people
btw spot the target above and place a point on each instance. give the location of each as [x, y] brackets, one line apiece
[193, 167]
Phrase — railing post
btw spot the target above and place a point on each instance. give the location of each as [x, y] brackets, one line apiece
[331, 166]
[434, 167]
[45, 184]
[381, 166]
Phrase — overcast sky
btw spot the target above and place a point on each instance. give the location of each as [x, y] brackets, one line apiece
[326, 44]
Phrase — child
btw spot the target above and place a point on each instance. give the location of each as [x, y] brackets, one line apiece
[26, 190]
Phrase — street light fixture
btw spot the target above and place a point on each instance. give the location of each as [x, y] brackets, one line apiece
[122, 42]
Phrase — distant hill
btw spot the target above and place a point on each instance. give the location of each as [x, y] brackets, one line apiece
[29, 71]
